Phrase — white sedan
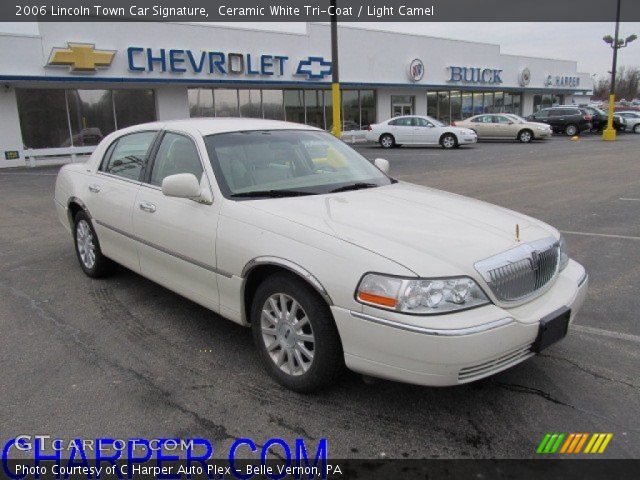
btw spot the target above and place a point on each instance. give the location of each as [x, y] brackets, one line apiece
[632, 120]
[282, 228]
[419, 130]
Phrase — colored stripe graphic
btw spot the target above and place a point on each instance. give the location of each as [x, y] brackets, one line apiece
[573, 443]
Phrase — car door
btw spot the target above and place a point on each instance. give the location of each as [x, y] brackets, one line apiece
[177, 236]
[112, 193]
[542, 116]
[424, 131]
[402, 129]
[483, 126]
[504, 127]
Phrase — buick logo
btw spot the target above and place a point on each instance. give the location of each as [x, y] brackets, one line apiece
[525, 77]
[416, 70]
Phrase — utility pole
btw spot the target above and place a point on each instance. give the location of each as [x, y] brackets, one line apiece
[335, 76]
[609, 133]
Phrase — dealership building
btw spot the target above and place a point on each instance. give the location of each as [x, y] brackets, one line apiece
[66, 87]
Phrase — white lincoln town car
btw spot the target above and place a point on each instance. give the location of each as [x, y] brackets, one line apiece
[285, 229]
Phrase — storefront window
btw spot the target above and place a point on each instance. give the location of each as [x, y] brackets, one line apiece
[328, 109]
[444, 114]
[516, 104]
[367, 107]
[226, 102]
[250, 103]
[488, 102]
[467, 105]
[201, 102]
[350, 107]
[456, 106]
[498, 102]
[272, 106]
[294, 106]
[43, 118]
[134, 107]
[91, 115]
[314, 108]
[477, 103]
[432, 104]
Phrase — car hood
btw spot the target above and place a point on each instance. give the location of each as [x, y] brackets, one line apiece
[428, 231]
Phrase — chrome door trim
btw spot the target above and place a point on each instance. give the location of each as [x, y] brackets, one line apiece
[444, 332]
[167, 251]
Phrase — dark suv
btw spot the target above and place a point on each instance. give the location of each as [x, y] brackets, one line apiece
[563, 119]
[599, 120]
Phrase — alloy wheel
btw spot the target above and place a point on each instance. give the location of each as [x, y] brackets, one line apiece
[448, 142]
[287, 334]
[86, 244]
[525, 137]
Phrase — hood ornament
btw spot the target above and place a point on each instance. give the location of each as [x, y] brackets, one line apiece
[517, 233]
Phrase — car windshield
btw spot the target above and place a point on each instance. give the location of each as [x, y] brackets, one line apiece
[277, 163]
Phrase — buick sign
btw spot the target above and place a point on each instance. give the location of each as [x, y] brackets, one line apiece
[416, 70]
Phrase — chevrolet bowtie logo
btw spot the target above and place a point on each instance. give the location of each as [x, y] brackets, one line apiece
[314, 68]
[81, 57]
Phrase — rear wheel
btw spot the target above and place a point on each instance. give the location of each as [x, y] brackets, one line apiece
[448, 140]
[525, 136]
[387, 140]
[92, 261]
[571, 130]
[295, 334]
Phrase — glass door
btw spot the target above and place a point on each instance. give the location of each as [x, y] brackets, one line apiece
[402, 105]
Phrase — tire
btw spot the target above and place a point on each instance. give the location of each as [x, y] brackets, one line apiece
[93, 263]
[525, 136]
[571, 130]
[448, 141]
[302, 373]
[387, 141]
[636, 128]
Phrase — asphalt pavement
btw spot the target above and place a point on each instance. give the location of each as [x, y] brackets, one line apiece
[124, 357]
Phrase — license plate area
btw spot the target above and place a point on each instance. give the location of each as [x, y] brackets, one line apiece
[552, 328]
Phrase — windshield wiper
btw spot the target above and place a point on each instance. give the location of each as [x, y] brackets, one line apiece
[354, 186]
[272, 193]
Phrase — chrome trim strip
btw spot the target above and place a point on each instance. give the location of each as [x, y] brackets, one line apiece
[289, 265]
[444, 332]
[584, 278]
[168, 252]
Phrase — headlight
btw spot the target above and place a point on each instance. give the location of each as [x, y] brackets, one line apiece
[564, 256]
[420, 296]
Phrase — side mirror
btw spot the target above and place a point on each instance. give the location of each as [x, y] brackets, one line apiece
[181, 185]
[382, 164]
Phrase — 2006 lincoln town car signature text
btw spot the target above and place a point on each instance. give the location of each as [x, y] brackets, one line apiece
[332, 263]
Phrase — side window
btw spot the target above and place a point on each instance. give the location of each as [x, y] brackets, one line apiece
[127, 155]
[420, 122]
[394, 122]
[478, 119]
[542, 114]
[177, 154]
[501, 119]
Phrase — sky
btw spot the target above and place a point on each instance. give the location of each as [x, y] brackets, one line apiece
[561, 40]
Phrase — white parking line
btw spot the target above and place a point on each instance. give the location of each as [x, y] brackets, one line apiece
[605, 235]
[29, 173]
[605, 333]
[630, 199]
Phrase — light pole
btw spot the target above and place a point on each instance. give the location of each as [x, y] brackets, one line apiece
[335, 76]
[609, 133]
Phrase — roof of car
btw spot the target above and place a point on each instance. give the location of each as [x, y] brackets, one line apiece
[210, 126]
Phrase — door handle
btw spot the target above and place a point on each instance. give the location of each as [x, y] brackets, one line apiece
[94, 188]
[147, 207]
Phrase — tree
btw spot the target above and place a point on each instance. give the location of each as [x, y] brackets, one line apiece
[627, 85]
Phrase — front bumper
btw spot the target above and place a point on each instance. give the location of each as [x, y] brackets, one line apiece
[467, 138]
[453, 348]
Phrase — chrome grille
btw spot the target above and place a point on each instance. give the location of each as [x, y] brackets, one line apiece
[494, 365]
[522, 271]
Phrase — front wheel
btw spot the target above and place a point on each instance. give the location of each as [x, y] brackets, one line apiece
[92, 261]
[525, 136]
[636, 128]
[571, 130]
[295, 334]
[387, 140]
[448, 141]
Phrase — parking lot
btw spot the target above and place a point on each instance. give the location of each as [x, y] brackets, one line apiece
[125, 357]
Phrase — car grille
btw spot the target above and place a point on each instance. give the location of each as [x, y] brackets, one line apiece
[494, 365]
[523, 271]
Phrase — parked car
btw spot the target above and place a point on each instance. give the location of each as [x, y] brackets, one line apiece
[350, 131]
[419, 130]
[285, 229]
[632, 120]
[505, 126]
[599, 119]
[564, 119]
